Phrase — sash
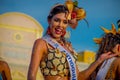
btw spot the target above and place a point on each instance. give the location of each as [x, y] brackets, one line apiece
[104, 69]
[71, 63]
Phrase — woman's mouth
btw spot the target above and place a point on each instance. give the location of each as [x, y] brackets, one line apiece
[58, 31]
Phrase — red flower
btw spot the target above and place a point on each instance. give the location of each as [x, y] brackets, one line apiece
[73, 15]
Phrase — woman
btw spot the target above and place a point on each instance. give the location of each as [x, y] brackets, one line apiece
[54, 55]
[110, 69]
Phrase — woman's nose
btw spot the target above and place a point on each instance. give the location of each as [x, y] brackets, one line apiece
[60, 24]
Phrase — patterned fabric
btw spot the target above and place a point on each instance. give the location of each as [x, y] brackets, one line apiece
[55, 63]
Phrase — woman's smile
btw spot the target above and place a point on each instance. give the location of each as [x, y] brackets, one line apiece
[58, 31]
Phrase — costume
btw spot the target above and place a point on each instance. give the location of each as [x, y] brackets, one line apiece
[113, 72]
[59, 61]
[55, 63]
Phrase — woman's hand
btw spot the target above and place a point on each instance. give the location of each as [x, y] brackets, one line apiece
[107, 55]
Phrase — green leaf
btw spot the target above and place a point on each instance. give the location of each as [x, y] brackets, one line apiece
[75, 3]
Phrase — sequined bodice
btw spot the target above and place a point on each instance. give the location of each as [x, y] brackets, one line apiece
[55, 63]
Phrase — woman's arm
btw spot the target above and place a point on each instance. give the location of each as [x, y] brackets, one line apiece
[84, 75]
[5, 71]
[37, 54]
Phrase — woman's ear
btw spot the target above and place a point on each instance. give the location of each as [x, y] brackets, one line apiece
[118, 47]
[118, 50]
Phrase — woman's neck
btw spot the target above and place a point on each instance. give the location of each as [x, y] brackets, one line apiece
[56, 38]
[59, 40]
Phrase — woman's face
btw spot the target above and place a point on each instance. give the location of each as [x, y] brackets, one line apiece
[58, 25]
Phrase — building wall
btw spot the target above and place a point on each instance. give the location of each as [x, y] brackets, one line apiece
[86, 56]
[18, 32]
[89, 57]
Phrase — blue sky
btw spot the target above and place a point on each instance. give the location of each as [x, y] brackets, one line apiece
[99, 13]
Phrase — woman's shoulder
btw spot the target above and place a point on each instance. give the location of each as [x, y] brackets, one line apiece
[39, 41]
[117, 61]
[40, 44]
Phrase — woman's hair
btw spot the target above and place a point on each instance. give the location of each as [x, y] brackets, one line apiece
[109, 41]
[58, 8]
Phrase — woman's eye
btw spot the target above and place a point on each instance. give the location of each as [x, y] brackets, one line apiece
[65, 22]
[57, 20]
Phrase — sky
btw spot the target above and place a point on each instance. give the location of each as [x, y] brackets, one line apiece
[99, 13]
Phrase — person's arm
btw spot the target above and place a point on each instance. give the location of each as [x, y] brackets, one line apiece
[5, 71]
[84, 75]
[37, 54]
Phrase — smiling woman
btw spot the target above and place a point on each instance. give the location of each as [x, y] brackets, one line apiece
[53, 54]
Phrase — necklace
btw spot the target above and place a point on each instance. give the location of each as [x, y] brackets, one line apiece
[61, 42]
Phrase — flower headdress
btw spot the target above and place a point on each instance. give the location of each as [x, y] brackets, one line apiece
[113, 31]
[75, 11]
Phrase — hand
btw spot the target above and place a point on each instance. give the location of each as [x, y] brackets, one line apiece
[116, 54]
[106, 55]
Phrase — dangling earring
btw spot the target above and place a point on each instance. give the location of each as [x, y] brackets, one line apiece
[64, 32]
[48, 31]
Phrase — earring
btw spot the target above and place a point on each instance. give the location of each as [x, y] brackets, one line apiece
[48, 31]
[64, 32]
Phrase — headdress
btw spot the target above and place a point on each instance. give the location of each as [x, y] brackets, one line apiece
[74, 11]
[113, 31]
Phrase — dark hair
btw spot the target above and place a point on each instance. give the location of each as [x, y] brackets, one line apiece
[109, 41]
[59, 8]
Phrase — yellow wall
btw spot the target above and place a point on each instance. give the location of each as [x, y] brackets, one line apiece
[89, 57]
[86, 56]
[80, 57]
